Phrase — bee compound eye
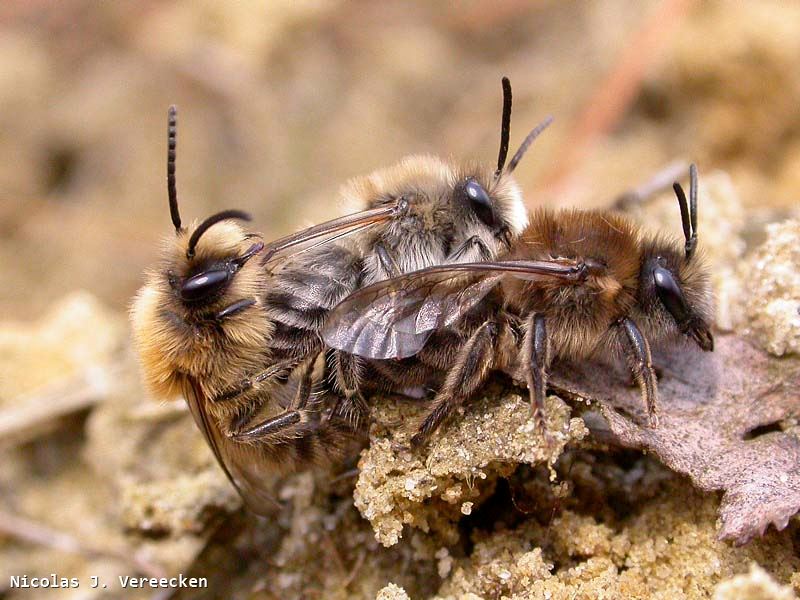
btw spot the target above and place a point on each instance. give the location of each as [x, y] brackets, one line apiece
[479, 201]
[670, 294]
[205, 285]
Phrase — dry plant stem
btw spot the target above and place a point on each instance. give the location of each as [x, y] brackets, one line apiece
[359, 562]
[34, 415]
[35, 533]
[160, 411]
[612, 97]
[661, 181]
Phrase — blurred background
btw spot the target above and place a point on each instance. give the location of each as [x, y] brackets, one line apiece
[280, 103]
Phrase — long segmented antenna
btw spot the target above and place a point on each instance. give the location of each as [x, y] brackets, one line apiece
[172, 135]
[688, 211]
[527, 142]
[505, 127]
[212, 220]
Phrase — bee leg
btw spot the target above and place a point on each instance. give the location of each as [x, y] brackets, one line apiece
[303, 393]
[234, 308]
[640, 362]
[299, 439]
[275, 371]
[473, 249]
[472, 365]
[270, 427]
[295, 413]
[347, 376]
[536, 358]
[387, 262]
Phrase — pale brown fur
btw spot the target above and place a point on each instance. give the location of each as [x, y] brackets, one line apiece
[437, 221]
[578, 314]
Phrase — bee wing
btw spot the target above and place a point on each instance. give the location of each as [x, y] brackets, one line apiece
[333, 229]
[394, 318]
[242, 463]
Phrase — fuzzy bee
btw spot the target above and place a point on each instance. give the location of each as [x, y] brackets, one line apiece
[452, 213]
[573, 284]
[201, 328]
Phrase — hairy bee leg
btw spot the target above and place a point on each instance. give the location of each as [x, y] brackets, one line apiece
[246, 385]
[298, 440]
[387, 262]
[269, 427]
[303, 393]
[536, 357]
[640, 362]
[293, 415]
[471, 249]
[347, 373]
[469, 372]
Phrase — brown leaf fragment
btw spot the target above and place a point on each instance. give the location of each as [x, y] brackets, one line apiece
[720, 424]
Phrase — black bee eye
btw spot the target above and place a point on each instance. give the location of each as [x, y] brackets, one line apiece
[670, 294]
[205, 285]
[480, 201]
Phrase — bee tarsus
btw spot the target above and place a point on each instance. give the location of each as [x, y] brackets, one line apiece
[234, 308]
[536, 358]
[640, 362]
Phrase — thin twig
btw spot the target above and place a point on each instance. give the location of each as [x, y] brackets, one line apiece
[333, 552]
[33, 532]
[654, 185]
[362, 556]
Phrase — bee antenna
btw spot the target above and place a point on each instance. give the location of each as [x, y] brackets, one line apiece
[688, 211]
[693, 197]
[527, 142]
[208, 223]
[505, 127]
[172, 134]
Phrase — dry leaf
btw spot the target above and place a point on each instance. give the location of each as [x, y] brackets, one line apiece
[719, 425]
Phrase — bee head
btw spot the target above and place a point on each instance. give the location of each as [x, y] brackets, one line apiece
[674, 284]
[208, 259]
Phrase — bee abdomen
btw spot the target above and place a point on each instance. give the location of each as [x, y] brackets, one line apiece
[293, 341]
[315, 289]
[305, 292]
[294, 312]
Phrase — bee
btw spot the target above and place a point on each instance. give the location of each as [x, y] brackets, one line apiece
[200, 326]
[575, 283]
[453, 213]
